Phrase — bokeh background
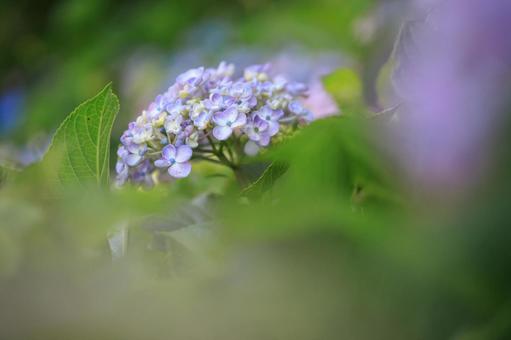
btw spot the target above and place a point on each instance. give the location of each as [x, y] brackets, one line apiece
[389, 220]
[56, 53]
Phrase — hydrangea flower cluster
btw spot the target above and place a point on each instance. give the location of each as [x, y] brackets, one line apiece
[208, 114]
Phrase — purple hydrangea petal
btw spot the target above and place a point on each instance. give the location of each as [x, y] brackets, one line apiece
[240, 121]
[169, 152]
[133, 159]
[296, 108]
[214, 103]
[252, 135]
[191, 77]
[183, 153]
[137, 148]
[273, 128]
[180, 170]
[265, 113]
[122, 152]
[222, 132]
[228, 101]
[120, 167]
[264, 140]
[277, 114]
[224, 117]
[252, 102]
[297, 89]
[162, 163]
[255, 70]
[202, 120]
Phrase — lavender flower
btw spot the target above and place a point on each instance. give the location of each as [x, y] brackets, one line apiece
[227, 121]
[206, 103]
[176, 160]
[258, 130]
[450, 77]
[271, 117]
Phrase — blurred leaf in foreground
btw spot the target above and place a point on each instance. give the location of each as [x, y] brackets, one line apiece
[82, 142]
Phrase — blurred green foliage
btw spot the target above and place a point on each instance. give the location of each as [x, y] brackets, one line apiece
[71, 48]
[326, 244]
[322, 245]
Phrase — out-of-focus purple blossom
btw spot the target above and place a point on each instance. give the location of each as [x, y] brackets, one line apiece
[297, 89]
[298, 109]
[223, 71]
[319, 102]
[298, 64]
[450, 78]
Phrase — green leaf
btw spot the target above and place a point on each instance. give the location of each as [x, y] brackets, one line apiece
[266, 180]
[81, 145]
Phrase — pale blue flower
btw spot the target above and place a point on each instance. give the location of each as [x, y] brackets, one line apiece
[271, 117]
[297, 89]
[226, 121]
[257, 130]
[176, 160]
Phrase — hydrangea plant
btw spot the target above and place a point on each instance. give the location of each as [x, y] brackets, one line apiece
[209, 114]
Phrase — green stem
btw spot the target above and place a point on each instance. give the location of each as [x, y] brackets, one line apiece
[212, 160]
[220, 154]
